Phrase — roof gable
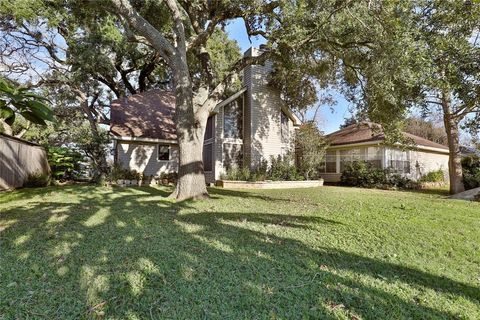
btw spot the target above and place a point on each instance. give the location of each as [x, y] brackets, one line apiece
[145, 115]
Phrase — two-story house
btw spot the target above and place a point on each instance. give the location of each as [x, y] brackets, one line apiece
[249, 126]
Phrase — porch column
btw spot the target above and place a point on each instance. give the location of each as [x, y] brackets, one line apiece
[384, 158]
[337, 158]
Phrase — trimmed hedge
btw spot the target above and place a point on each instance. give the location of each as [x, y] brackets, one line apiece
[365, 175]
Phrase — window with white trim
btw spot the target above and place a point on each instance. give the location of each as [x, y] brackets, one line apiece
[163, 152]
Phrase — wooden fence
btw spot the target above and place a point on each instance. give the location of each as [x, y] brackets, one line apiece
[18, 159]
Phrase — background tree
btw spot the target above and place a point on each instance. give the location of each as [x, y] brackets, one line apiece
[348, 122]
[87, 58]
[427, 129]
[428, 59]
[310, 148]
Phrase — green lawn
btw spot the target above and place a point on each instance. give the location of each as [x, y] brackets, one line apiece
[340, 253]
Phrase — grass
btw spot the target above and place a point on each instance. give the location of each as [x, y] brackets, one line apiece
[328, 253]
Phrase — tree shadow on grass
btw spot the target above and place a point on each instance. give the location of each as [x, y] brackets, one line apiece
[129, 253]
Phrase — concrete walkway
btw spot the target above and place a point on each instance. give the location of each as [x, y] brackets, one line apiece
[467, 195]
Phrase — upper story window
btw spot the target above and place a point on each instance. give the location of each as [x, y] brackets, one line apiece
[209, 129]
[284, 126]
[233, 120]
[163, 152]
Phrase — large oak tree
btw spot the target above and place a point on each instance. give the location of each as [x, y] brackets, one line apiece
[307, 40]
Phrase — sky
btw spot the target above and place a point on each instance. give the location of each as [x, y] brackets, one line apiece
[330, 117]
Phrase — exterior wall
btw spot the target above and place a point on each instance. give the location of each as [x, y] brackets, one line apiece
[421, 162]
[331, 177]
[263, 106]
[142, 157]
[18, 159]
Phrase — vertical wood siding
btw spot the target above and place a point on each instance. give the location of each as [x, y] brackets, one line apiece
[19, 159]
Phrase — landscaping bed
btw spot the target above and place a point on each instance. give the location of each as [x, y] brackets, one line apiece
[234, 184]
[145, 182]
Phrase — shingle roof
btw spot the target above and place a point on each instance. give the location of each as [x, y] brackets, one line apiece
[371, 132]
[145, 115]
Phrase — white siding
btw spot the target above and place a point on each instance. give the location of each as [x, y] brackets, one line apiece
[423, 162]
[263, 110]
[142, 157]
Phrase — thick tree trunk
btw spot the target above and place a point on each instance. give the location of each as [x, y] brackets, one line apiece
[191, 178]
[453, 137]
[190, 127]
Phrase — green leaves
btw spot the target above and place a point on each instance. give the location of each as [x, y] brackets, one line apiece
[63, 161]
[19, 101]
[6, 113]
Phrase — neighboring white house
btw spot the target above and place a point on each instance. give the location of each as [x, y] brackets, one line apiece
[365, 142]
[246, 128]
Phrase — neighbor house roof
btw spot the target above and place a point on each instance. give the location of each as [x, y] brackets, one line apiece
[366, 132]
[145, 115]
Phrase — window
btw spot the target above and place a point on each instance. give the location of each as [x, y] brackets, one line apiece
[163, 152]
[374, 156]
[233, 120]
[232, 155]
[351, 155]
[284, 127]
[208, 157]
[399, 161]
[331, 162]
[209, 128]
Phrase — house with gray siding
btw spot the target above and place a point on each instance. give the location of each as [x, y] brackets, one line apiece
[365, 141]
[245, 129]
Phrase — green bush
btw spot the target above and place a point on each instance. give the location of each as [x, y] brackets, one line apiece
[63, 162]
[119, 173]
[365, 175]
[36, 180]
[433, 176]
[236, 173]
[169, 177]
[401, 182]
[471, 172]
[282, 168]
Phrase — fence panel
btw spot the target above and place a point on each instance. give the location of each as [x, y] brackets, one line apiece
[18, 159]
